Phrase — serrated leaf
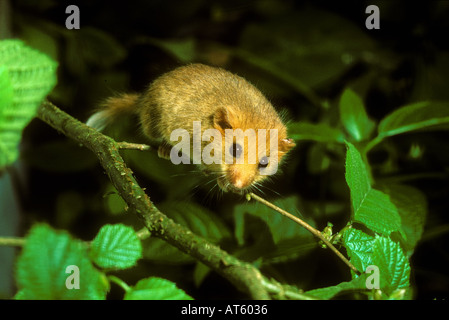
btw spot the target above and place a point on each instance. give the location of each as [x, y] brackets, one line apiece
[356, 175]
[32, 75]
[378, 213]
[41, 267]
[116, 246]
[355, 284]
[353, 116]
[412, 207]
[196, 218]
[359, 246]
[8, 151]
[427, 115]
[156, 289]
[393, 265]
[371, 207]
[6, 89]
[365, 250]
[316, 132]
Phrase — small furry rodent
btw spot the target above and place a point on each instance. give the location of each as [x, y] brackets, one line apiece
[219, 100]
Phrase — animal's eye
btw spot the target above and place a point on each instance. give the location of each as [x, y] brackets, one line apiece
[236, 150]
[263, 162]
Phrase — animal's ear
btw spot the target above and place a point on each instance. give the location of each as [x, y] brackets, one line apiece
[222, 119]
[286, 144]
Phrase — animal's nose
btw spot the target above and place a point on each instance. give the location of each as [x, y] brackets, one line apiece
[239, 184]
[241, 176]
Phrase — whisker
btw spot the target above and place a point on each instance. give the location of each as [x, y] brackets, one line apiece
[256, 186]
[185, 173]
[272, 190]
[210, 181]
[208, 198]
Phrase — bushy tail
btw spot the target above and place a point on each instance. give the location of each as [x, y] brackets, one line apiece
[112, 109]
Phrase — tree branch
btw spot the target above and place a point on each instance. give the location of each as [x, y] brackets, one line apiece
[243, 275]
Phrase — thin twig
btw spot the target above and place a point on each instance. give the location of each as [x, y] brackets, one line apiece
[311, 229]
[122, 284]
[12, 241]
[143, 234]
[133, 146]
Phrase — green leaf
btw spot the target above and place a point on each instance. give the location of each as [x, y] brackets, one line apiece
[393, 265]
[412, 207]
[268, 66]
[427, 115]
[196, 218]
[38, 36]
[353, 116]
[31, 75]
[378, 213]
[183, 49]
[156, 289]
[116, 246]
[315, 132]
[42, 267]
[357, 176]
[365, 250]
[371, 207]
[355, 284]
[6, 89]
[359, 246]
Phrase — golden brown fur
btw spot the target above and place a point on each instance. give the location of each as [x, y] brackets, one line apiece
[217, 98]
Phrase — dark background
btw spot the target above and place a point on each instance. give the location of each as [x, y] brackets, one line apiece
[322, 45]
